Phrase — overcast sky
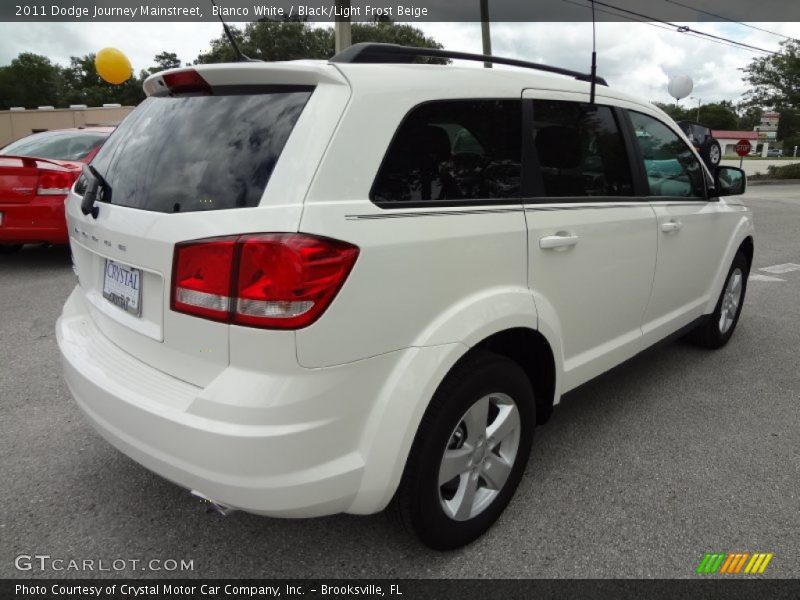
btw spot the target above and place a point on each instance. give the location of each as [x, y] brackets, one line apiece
[635, 57]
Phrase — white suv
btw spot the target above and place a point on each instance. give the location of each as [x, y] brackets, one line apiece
[317, 287]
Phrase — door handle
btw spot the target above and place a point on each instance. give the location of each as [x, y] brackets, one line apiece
[671, 226]
[557, 241]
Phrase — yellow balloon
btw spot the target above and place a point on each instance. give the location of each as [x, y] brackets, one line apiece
[113, 66]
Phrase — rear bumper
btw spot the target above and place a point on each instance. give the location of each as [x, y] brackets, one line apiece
[298, 455]
[40, 220]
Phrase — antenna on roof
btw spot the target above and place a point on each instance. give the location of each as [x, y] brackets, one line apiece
[240, 56]
[593, 74]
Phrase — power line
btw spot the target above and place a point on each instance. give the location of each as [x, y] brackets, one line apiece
[724, 18]
[666, 26]
[655, 25]
[686, 29]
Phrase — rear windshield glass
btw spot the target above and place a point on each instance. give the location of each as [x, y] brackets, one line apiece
[199, 153]
[56, 145]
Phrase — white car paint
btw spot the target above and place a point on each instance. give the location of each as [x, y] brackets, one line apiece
[321, 420]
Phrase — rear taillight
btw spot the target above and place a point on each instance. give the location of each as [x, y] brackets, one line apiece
[54, 183]
[270, 280]
[201, 281]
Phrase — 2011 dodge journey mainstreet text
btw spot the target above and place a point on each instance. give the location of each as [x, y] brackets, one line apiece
[317, 287]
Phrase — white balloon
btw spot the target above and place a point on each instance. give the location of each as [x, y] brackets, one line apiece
[680, 86]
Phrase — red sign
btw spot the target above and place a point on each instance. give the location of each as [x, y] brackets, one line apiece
[743, 147]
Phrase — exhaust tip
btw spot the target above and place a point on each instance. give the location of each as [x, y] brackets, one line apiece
[212, 506]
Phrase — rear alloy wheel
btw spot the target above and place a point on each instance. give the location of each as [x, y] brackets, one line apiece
[718, 329]
[470, 452]
[479, 456]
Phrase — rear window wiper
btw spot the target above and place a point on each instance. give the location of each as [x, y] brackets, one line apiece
[96, 185]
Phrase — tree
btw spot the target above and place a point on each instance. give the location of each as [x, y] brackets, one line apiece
[677, 112]
[789, 124]
[749, 117]
[164, 61]
[718, 115]
[30, 80]
[293, 39]
[775, 79]
[84, 86]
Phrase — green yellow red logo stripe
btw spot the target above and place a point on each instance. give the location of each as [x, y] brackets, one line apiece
[734, 563]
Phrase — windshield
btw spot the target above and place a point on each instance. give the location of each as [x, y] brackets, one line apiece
[56, 145]
[198, 153]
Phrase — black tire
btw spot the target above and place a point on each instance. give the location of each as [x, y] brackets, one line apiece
[711, 153]
[419, 501]
[10, 248]
[711, 334]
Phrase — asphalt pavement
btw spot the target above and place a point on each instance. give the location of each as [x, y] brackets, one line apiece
[679, 452]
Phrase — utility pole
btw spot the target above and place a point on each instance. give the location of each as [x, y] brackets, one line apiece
[486, 34]
[699, 102]
[341, 28]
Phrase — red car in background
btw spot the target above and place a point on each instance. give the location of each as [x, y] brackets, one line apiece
[36, 173]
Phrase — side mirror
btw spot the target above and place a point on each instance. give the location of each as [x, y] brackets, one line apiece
[729, 181]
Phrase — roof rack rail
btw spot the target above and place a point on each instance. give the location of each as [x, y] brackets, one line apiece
[368, 52]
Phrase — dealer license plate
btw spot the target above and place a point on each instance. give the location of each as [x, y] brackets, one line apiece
[122, 286]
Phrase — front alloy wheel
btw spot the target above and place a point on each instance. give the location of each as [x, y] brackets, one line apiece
[731, 298]
[719, 327]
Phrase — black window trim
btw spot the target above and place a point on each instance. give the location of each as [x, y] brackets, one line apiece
[470, 202]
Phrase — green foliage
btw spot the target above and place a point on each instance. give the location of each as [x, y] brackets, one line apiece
[716, 115]
[272, 40]
[749, 117]
[784, 172]
[775, 79]
[677, 112]
[164, 61]
[789, 124]
[32, 80]
[788, 145]
[719, 115]
[82, 85]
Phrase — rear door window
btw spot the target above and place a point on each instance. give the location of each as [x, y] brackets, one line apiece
[580, 150]
[182, 154]
[454, 150]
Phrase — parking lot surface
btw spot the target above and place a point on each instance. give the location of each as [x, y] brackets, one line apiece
[679, 452]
